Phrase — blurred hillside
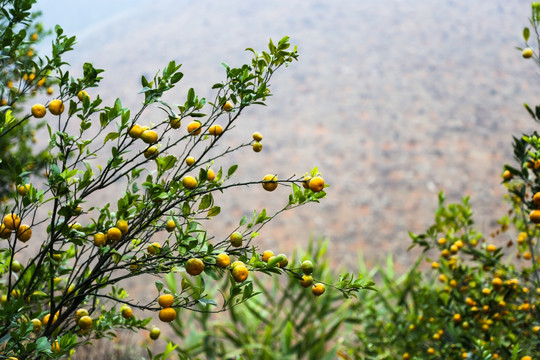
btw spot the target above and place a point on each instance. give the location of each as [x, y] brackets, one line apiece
[393, 100]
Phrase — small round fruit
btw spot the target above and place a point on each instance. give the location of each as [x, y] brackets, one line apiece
[237, 263]
[316, 184]
[283, 263]
[36, 325]
[223, 260]
[170, 226]
[16, 266]
[527, 53]
[534, 216]
[305, 182]
[56, 107]
[23, 189]
[240, 273]
[257, 146]
[318, 289]
[194, 266]
[536, 199]
[189, 182]
[55, 347]
[12, 221]
[50, 90]
[166, 300]
[126, 312]
[190, 160]
[154, 248]
[175, 123]
[228, 106]
[136, 131]
[38, 111]
[151, 152]
[85, 322]
[100, 239]
[114, 234]
[257, 136]
[123, 226]
[167, 314]
[82, 94]
[215, 130]
[24, 233]
[507, 175]
[210, 175]
[80, 313]
[149, 136]
[5, 233]
[236, 239]
[307, 267]
[154, 333]
[194, 128]
[307, 281]
[267, 254]
[269, 182]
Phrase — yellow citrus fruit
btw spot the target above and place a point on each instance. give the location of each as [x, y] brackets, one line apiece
[149, 136]
[170, 226]
[16, 266]
[257, 146]
[100, 239]
[126, 312]
[23, 189]
[269, 182]
[431, 351]
[236, 239]
[267, 254]
[189, 182]
[223, 260]
[228, 106]
[527, 255]
[36, 325]
[194, 266]
[154, 333]
[85, 322]
[80, 313]
[307, 267]
[527, 53]
[154, 248]
[135, 131]
[190, 160]
[55, 347]
[56, 107]
[166, 300]
[215, 130]
[305, 182]
[318, 289]
[194, 128]
[526, 358]
[507, 175]
[257, 136]
[34, 37]
[316, 184]
[535, 216]
[47, 317]
[123, 226]
[38, 111]
[5, 233]
[151, 152]
[240, 273]
[307, 281]
[536, 199]
[406, 356]
[175, 123]
[456, 318]
[283, 263]
[82, 94]
[237, 263]
[114, 234]
[12, 221]
[167, 314]
[491, 248]
[24, 233]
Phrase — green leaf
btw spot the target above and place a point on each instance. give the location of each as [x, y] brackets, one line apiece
[111, 136]
[243, 220]
[231, 170]
[159, 285]
[214, 211]
[526, 33]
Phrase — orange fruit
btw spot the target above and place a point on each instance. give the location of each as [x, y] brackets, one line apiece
[34, 37]
[166, 300]
[534, 216]
[236, 239]
[149, 136]
[114, 234]
[175, 123]
[318, 289]
[135, 131]
[215, 130]
[431, 351]
[126, 312]
[456, 318]
[85, 322]
[151, 152]
[56, 107]
[210, 175]
[283, 263]
[5, 233]
[55, 347]
[269, 182]
[82, 94]
[12, 221]
[491, 248]
[257, 146]
[100, 239]
[194, 128]
[38, 111]
[536, 199]
[123, 226]
[24, 233]
[406, 356]
[154, 333]
[307, 281]
[228, 106]
[190, 160]
[167, 314]
[23, 189]
[305, 182]
[239, 273]
[223, 260]
[154, 248]
[189, 182]
[194, 266]
[36, 325]
[49, 92]
[267, 254]
[80, 313]
[316, 184]
[170, 225]
[507, 175]
[527, 53]
[257, 136]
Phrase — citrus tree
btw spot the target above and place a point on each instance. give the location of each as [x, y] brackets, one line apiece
[69, 289]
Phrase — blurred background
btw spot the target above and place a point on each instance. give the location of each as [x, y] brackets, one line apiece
[393, 100]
